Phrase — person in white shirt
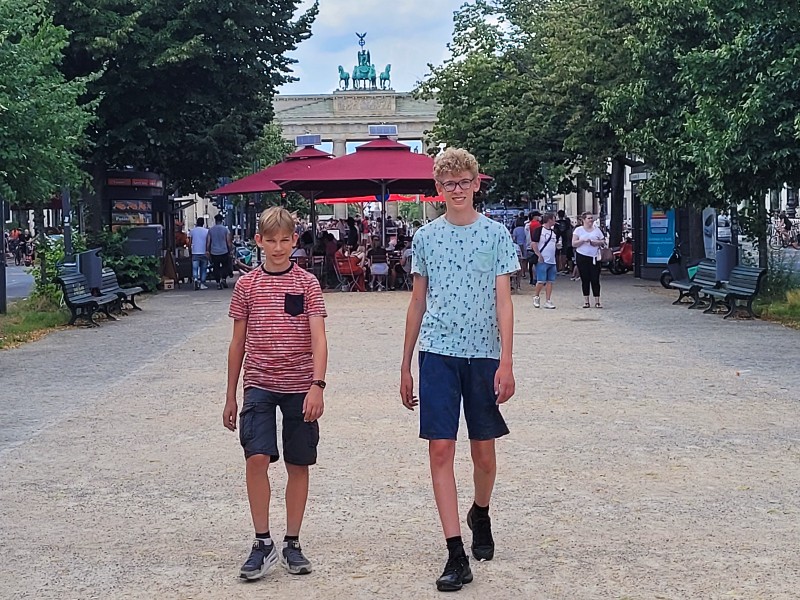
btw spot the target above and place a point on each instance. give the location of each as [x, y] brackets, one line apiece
[200, 254]
[587, 241]
[543, 244]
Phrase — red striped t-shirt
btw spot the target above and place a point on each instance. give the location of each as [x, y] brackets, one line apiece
[277, 347]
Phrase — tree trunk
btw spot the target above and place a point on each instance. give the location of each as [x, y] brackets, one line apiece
[694, 233]
[93, 205]
[617, 201]
[38, 222]
[761, 230]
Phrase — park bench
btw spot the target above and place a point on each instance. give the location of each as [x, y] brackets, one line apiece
[743, 284]
[79, 300]
[705, 278]
[110, 285]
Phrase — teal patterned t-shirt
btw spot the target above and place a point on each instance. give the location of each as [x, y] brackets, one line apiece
[461, 264]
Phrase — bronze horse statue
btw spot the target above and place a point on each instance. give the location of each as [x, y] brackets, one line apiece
[344, 76]
[386, 80]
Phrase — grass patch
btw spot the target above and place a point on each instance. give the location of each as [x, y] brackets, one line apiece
[28, 320]
[785, 311]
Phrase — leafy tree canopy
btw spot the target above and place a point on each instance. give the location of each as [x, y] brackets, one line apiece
[42, 120]
[183, 87]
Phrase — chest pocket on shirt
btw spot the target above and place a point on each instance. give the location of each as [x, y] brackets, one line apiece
[294, 304]
[483, 261]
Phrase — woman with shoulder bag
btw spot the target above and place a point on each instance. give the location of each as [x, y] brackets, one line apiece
[587, 241]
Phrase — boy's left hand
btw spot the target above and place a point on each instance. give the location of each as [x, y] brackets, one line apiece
[504, 384]
[313, 405]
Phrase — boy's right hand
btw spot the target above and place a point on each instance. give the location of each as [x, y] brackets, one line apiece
[229, 414]
[407, 389]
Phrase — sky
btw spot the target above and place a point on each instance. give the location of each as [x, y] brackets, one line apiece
[408, 34]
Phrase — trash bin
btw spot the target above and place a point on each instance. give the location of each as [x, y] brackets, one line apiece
[91, 266]
[726, 260]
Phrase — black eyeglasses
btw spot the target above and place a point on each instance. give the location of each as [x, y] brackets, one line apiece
[450, 186]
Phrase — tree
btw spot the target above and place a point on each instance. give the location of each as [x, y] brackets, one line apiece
[486, 103]
[184, 87]
[714, 103]
[43, 121]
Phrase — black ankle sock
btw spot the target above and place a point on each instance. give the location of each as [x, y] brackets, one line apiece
[455, 545]
[291, 538]
[480, 511]
[262, 536]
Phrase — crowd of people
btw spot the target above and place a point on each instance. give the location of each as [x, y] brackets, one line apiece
[19, 244]
[550, 243]
[357, 261]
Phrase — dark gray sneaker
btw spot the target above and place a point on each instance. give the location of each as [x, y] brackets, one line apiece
[292, 558]
[262, 558]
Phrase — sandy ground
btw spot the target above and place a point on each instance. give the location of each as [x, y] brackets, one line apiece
[653, 455]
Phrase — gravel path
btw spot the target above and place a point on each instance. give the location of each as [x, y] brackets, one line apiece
[667, 467]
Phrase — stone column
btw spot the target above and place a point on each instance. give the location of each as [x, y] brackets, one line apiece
[339, 149]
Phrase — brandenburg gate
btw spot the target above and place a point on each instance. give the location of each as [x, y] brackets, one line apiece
[344, 115]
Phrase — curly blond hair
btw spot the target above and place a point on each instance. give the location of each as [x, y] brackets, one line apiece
[275, 220]
[454, 160]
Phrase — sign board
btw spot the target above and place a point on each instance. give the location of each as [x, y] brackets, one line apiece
[641, 176]
[660, 235]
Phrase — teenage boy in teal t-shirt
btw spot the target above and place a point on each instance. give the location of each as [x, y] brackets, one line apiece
[461, 311]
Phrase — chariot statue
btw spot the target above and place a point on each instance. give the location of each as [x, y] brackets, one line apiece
[364, 75]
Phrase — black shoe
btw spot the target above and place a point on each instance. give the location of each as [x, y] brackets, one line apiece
[219, 286]
[456, 574]
[224, 284]
[482, 541]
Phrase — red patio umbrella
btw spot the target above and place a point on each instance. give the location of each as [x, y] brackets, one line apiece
[295, 164]
[374, 168]
[368, 199]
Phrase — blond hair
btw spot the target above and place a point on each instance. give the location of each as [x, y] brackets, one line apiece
[454, 160]
[275, 220]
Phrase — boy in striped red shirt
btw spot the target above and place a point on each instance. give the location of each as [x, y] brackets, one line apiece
[279, 337]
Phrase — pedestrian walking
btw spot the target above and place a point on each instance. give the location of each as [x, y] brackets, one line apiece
[220, 247]
[279, 336]
[543, 245]
[461, 311]
[200, 254]
[587, 241]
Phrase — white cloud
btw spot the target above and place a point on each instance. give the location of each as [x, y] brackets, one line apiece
[408, 34]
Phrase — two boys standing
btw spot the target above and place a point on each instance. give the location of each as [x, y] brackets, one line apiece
[460, 311]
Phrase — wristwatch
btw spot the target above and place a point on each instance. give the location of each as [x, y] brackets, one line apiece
[319, 383]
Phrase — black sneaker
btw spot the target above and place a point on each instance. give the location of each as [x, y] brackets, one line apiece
[219, 286]
[456, 574]
[225, 284]
[262, 558]
[482, 541]
[293, 559]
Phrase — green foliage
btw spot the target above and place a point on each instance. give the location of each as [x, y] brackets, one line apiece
[53, 253]
[42, 117]
[410, 211]
[141, 271]
[184, 87]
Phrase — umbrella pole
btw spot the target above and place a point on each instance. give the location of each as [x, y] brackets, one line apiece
[383, 213]
[313, 211]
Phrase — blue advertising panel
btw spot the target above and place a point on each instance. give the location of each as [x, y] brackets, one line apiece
[660, 235]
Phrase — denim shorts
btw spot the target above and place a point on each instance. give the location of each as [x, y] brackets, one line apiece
[258, 430]
[545, 272]
[444, 381]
